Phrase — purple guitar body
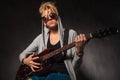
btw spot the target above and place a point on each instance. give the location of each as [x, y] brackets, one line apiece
[25, 71]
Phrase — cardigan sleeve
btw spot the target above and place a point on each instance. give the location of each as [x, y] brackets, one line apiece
[75, 57]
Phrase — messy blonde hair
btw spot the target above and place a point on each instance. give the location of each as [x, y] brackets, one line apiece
[47, 6]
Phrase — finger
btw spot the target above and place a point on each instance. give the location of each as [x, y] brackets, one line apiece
[35, 63]
[32, 69]
[81, 37]
[84, 37]
[32, 54]
[34, 58]
[34, 66]
[76, 39]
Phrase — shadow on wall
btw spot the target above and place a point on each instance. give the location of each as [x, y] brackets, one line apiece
[100, 60]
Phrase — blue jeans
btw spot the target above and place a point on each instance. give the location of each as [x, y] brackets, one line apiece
[52, 76]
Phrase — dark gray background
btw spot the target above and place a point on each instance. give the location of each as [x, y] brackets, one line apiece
[20, 23]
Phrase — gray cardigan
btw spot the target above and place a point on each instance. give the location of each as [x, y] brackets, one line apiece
[39, 44]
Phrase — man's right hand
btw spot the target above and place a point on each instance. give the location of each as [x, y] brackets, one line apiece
[30, 62]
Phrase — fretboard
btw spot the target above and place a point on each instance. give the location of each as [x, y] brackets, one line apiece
[59, 50]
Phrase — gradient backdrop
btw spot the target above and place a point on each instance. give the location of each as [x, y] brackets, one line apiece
[20, 23]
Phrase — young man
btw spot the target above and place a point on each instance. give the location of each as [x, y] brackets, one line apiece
[52, 36]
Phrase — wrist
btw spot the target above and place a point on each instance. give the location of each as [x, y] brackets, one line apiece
[79, 52]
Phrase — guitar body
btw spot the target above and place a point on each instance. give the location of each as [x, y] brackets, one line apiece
[25, 71]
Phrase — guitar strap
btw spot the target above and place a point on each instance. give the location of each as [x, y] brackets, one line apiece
[65, 40]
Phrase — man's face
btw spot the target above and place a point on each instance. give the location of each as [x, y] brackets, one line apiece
[49, 18]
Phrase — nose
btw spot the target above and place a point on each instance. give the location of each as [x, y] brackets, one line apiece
[49, 18]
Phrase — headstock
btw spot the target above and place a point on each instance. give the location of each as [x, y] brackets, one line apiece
[105, 32]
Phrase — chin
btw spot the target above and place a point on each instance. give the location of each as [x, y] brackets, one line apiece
[52, 25]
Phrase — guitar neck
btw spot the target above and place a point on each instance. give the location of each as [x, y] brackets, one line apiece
[65, 47]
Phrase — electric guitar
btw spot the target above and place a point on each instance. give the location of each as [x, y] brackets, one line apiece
[25, 71]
